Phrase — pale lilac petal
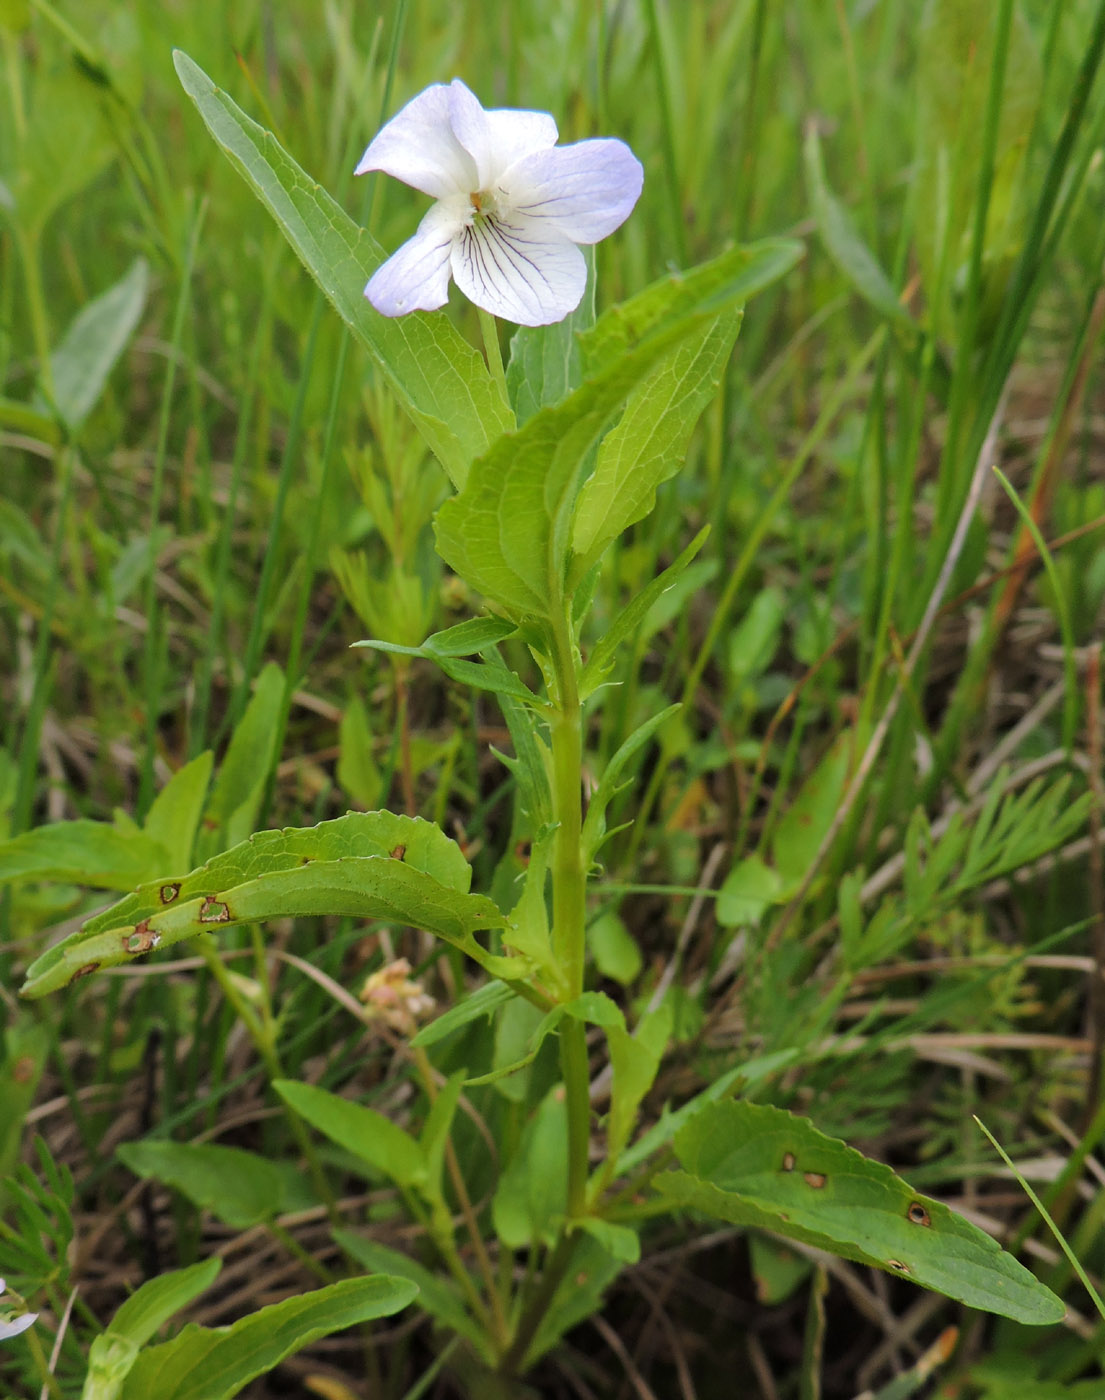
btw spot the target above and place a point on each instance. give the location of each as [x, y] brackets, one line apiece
[418, 147]
[416, 278]
[519, 271]
[584, 191]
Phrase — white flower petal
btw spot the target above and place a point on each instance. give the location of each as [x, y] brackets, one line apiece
[515, 133]
[470, 128]
[416, 278]
[16, 1325]
[496, 139]
[418, 147]
[519, 271]
[584, 191]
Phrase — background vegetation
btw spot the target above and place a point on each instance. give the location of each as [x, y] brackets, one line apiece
[864, 856]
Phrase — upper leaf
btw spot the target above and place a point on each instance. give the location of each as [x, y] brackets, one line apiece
[441, 381]
[508, 532]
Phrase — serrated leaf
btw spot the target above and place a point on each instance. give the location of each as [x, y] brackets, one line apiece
[601, 660]
[440, 380]
[508, 531]
[215, 1363]
[492, 675]
[483, 1002]
[649, 443]
[365, 864]
[93, 343]
[384, 1146]
[594, 823]
[756, 1165]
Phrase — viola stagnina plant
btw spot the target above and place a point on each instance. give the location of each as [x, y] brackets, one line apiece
[550, 460]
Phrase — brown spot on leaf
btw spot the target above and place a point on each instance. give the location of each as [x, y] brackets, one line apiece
[140, 939]
[814, 1179]
[397, 852]
[581, 1278]
[167, 893]
[788, 1161]
[24, 1069]
[897, 1264]
[918, 1214]
[214, 911]
[86, 971]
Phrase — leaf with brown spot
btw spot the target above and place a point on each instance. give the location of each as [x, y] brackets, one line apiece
[860, 1210]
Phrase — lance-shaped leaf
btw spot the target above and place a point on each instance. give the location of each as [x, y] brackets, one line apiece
[215, 1363]
[508, 532]
[440, 380]
[761, 1166]
[371, 865]
[93, 343]
[114, 1352]
[649, 443]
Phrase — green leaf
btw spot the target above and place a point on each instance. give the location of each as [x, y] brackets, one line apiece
[729, 279]
[114, 1352]
[440, 380]
[491, 675]
[66, 146]
[174, 817]
[544, 361]
[955, 52]
[843, 243]
[359, 774]
[755, 1165]
[635, 1060]
[594, 823]
[806, 821]
[435, 1133]
[85, 852]
[158, 1299]
[747, 892]
[250, 756]
[579, 1296]
[238, 1187]
[485, 1001]
[435, 1294]
[533, 1192]
[378, 1142]
[366, 865]
[619, 1241]
[602, 659]
[508, 531]
[26, 1048]
[649, 443]
[93, 343]
[614, 948]
[216, 1363]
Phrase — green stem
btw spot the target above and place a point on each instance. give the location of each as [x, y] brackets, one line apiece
[569, 898]
[490, 328]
